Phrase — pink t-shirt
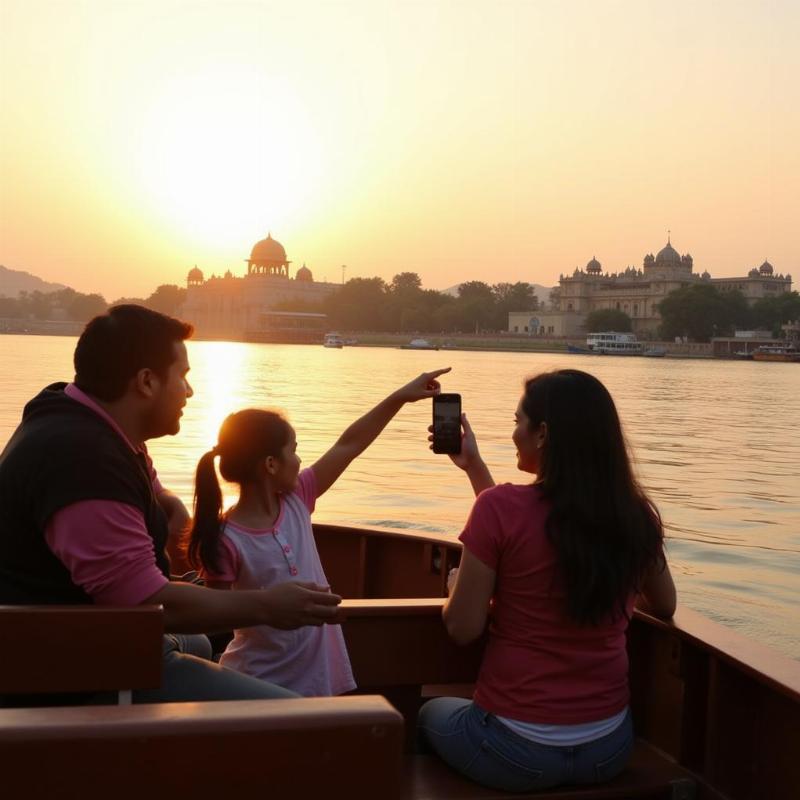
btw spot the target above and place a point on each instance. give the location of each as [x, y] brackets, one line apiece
[539, 666]
[105, 544]
[312, 661]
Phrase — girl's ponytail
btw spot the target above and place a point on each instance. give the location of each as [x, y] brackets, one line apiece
[204, 539]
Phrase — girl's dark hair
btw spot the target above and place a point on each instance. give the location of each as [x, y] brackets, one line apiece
[116, 345]
[606, 532]
[245, 439]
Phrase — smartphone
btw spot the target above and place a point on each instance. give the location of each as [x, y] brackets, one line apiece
[447, 423]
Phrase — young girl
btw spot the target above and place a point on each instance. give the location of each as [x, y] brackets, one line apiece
[563, 558]
[266, 538]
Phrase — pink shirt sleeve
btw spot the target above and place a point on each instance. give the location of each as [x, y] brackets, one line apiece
[106, 548]
[228, 563]
[307, 488]
[483, 532]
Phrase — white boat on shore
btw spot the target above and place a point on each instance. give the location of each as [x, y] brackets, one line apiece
[419, 344]
[612, 343]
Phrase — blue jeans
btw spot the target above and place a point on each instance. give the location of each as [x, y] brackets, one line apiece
[474, 742]
[189, 675]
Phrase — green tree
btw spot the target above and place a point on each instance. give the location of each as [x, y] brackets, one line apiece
[359, 305]
[83, 307]
[167, 299]
[129, 301]
[698, 312]
[10, 308]
[509, 297]
[771, 312]
[403, 307]
[607, 319]
[406, 283]
[476, 305]
[36, 304]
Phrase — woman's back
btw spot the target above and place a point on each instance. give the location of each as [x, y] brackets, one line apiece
[539, 665]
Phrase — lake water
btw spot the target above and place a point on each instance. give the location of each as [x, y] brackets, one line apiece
[715, 443]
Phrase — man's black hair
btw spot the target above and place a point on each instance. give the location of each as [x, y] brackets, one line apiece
[116, 345]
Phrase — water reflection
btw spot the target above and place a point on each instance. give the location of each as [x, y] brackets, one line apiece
[715, 443]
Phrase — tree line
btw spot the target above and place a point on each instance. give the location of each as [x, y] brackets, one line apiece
[402, 305]
[700, 312]
[78, 307]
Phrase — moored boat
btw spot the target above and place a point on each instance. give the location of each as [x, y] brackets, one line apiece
[613, 343]
[333, 340]
[786, 352]
[419, 344]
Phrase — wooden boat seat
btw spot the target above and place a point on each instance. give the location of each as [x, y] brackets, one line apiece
[321, 747]
[651, 775]
[65, 650]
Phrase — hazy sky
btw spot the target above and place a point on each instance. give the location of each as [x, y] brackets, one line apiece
[461, 140]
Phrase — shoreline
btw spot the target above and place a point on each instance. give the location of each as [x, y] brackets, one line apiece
[509, 343]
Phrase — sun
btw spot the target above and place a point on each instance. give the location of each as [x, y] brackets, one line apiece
[225, 151]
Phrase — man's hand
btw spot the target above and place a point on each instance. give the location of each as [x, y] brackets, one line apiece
[295, 604]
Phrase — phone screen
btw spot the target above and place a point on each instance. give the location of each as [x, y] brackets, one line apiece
[447, 423]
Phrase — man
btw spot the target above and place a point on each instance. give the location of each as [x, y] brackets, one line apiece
[84, 519]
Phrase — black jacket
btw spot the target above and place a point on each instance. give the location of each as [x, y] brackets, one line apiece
[63, 453]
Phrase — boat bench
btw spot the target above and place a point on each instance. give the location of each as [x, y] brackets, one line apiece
[336, 747]
[50, 655]
[309, 747]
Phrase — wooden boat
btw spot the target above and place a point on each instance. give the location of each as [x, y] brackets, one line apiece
[717, 715]
[787, 352]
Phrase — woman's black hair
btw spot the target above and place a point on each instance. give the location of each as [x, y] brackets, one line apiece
[606, 532]
[245, 439]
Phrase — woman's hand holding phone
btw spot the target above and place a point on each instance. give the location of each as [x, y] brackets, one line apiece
[469, 459]
[469, 454]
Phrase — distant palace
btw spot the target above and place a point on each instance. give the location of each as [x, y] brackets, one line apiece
[238, 307]
[637, 292]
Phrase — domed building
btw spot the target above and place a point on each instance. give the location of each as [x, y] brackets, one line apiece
[264, 304]
[637, 292]
[268, 258]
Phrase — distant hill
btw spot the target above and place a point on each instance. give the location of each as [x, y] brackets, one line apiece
[541, 292]
[13, 281]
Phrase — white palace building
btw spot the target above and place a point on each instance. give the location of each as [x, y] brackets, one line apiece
[637, 292]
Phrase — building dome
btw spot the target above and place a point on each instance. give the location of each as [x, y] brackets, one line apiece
[195, 276]
[304, 274]
[594, 266]
[268, 250]
[766, 268]
[668, 255]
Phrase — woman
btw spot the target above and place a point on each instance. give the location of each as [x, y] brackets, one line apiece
[555, 566]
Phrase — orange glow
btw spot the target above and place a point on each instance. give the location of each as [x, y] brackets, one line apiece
[462, 139]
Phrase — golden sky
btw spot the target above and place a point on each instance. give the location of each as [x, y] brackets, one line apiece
[469, 140]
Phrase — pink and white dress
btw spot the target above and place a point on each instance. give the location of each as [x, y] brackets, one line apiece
[311, 661]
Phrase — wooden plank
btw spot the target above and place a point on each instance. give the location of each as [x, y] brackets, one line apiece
[62, 649]
[396, 642]
[326, 747]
